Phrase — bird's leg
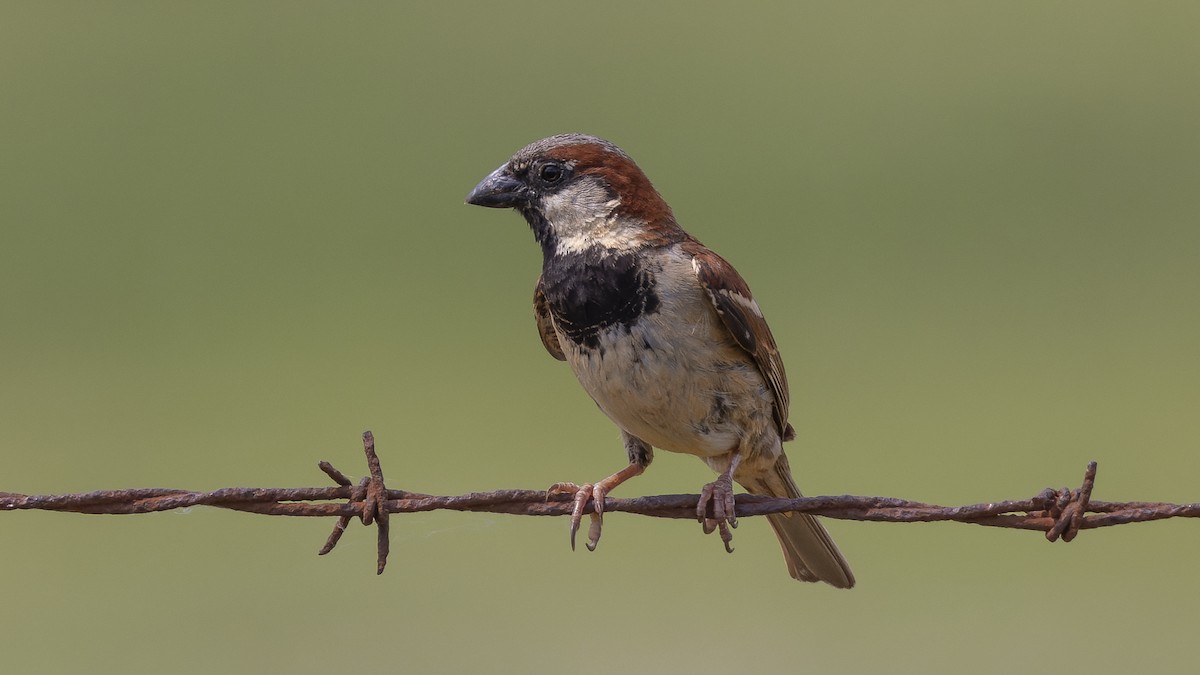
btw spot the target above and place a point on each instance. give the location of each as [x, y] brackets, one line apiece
[595, 492]
[640, 455]
[720, 494]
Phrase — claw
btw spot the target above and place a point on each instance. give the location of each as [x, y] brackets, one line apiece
[726, 537]
[581, 499]
[730, 510]
[706, 494]
[719, 494]
[583, 493]
[594, 532]
[596, 493]
[562, 489]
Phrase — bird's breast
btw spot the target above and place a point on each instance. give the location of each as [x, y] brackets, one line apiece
[649, 349]
[592, 290]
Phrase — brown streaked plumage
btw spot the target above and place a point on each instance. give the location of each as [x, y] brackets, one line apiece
[731, 298]
[545, 323]
[662, 333]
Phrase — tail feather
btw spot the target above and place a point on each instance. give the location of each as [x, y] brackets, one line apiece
[810, 553]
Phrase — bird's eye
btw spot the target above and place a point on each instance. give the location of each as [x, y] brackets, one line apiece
[551, 173]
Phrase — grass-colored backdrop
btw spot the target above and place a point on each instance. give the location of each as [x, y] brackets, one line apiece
[232, 237]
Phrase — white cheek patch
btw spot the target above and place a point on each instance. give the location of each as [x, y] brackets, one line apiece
[577, 206]
[582, 215]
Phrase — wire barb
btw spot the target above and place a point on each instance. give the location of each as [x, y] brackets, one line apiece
[1070, 506]
[372, 494]
[1058, 514]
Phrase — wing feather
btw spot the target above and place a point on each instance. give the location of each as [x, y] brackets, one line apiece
[733, 302]
[545, 323]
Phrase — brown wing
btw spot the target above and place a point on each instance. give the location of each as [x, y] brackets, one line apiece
[545, 323]
[741, 315]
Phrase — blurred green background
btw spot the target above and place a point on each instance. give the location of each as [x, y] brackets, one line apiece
[234, 237]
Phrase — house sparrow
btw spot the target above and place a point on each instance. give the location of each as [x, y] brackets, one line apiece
[662, 333]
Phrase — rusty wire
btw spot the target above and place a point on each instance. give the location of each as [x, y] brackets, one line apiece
[1060, 514]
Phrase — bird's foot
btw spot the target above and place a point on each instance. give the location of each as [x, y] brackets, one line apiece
[583, 493]
[596, 493]
[719, 495]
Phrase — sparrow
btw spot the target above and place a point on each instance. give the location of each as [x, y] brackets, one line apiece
[662, 333]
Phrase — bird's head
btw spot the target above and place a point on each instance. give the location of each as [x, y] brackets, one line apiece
[579, 191]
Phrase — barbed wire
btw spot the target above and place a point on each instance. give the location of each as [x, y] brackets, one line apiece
[1060, 514]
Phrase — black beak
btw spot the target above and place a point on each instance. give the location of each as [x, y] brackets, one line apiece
[499, 190]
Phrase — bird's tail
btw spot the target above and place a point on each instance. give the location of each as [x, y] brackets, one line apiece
[810, 553]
